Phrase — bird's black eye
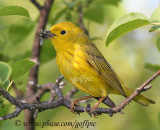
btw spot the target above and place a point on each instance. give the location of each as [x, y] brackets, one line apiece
[63, 32]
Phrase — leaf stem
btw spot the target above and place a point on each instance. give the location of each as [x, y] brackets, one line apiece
[9, 85]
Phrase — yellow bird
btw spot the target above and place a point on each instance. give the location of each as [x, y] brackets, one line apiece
[83, 65]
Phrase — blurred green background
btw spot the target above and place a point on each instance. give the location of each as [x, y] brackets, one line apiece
[127, 55]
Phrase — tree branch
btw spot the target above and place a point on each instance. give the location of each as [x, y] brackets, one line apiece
[70, 94]
[33, 76]
[80, 20]
[62, 101]
[41, 90]
[12, 115]
[39, 7]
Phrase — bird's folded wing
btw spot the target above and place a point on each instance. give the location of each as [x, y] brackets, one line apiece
[96, 60]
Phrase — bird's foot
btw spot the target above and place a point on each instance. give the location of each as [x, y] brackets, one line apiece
[94, 107]
[93, 110]
[95, 115]
[73, 106]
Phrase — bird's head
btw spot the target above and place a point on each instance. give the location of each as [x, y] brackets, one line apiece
[64, 35]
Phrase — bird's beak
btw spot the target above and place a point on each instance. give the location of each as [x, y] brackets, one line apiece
[45, 35]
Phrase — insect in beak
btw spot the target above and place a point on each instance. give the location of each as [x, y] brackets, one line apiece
[45, 35]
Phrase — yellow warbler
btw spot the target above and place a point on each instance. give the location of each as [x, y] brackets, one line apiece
[82, 64]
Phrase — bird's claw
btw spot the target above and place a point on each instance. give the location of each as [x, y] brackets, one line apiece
[95, 115]
[73, 106]
[93, 111]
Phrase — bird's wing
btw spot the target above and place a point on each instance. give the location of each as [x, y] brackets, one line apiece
[96, 60]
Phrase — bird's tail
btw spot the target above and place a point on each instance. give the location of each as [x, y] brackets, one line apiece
[139, 98]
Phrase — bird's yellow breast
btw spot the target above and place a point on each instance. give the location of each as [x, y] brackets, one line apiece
[76, 70]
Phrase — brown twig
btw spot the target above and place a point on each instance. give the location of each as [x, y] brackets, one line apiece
[39, 7]
[33, 76]
[70, 94]
[80, 20]
[41, 91]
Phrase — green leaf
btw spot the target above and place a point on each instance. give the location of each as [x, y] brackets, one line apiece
[152, 67]
[47, 52]
[154, 28]
[5, 71]
[13, 10]
[158, 44]
[20, 67]
[125, 24]
[6, 84]
[155, 17]
[95, 13]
